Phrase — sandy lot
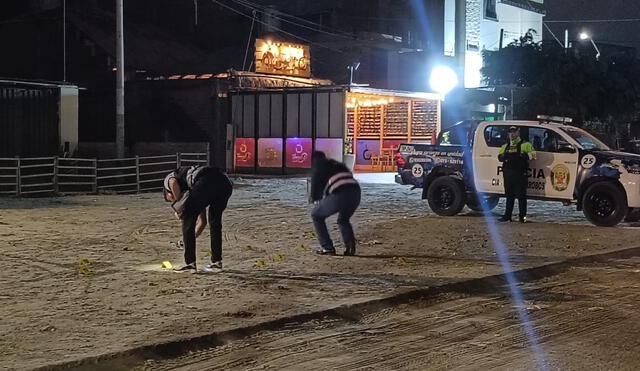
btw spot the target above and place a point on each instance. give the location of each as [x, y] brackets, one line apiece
[583, 319]
[82, 275]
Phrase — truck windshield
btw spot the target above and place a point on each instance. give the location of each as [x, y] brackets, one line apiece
[586, 140]
[455, 136]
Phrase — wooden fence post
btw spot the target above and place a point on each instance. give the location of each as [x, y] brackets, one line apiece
[95, 176]
[137, 174]
[56, 163]
[18, 177]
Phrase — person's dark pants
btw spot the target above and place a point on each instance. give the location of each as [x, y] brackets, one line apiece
[211, 191]
[515, 186]
[344, 202]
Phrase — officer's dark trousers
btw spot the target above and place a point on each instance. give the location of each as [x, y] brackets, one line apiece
[515, 186]
[211, 191]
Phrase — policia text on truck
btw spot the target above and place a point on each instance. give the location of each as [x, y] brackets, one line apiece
[570, 166]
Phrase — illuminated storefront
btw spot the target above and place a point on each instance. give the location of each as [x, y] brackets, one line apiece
[377, 121]
[280, 116]
[276, 131]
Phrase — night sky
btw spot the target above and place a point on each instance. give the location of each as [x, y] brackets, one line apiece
[619, 33]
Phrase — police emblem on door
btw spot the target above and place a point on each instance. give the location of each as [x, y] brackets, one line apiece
[560, 177]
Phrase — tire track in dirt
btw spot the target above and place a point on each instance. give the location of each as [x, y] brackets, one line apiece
[133, 308]
[452, 331]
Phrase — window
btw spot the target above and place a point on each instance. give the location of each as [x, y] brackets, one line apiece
[553, 142]
[536, 136]
[455, 136]
[490, 9]
[546, 140]
[586, 140]
[496, 136]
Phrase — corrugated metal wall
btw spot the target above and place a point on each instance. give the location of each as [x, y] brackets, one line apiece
[29, 121]
[314, 114]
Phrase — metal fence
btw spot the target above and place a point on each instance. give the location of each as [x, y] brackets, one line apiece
[60, 175]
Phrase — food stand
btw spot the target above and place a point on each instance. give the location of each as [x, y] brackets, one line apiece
[378, 121]
[280, 115]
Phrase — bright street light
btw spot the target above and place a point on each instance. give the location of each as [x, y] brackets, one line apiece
[443, 79]
[586, 36]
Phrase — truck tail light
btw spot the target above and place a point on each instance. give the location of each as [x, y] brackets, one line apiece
[400, 160]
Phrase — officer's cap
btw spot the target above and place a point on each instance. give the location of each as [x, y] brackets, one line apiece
[513, 128]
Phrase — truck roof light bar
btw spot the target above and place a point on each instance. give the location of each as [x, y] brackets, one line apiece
[555, 119]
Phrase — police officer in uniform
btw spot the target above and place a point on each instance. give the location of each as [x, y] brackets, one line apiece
[515, 156]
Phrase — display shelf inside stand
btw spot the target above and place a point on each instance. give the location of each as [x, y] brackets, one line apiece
[405, 120]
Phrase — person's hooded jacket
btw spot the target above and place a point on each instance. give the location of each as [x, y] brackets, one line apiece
[328, 176]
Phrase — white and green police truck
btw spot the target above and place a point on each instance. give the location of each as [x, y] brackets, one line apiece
[571, 166]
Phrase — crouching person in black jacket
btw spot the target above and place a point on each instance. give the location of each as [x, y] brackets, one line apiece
[197, 188]
[334, 190]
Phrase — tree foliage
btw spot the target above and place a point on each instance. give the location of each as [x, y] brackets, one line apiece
[551, 80]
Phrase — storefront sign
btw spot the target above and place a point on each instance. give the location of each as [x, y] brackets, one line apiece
[282, 58]
[244, 152]
[299, 152]
[366, 149]
[332, 147]
[270, 152]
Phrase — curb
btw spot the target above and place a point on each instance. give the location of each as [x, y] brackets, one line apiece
[480, 285]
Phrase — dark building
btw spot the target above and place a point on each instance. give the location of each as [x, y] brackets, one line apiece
[390, 39]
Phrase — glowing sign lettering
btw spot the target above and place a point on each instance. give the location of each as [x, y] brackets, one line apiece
[282, 58]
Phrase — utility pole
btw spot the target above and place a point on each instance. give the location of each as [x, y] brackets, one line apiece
[512, 115]
[461, 36]
[64, 40]
[119, 79]
[195, 5]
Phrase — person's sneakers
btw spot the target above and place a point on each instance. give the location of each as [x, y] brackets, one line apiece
[523, 219]
[350, 248]
[187, 268]
[215, 267]
[504, 219]
[326, 251]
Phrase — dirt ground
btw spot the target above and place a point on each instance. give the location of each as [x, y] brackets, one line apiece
[82, 275]
[583, 319]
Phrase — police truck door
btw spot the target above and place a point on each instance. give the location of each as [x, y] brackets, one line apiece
[488, 139]
[553, 173]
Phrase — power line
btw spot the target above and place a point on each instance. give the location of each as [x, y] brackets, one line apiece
[276, 28]
[319, 26]
[256, 8]
[554, 35]
[246, 52]
[595, 20]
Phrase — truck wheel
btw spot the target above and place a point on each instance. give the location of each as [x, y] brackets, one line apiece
[487, 203]
[633, 215]
[446, 196]
[604, 204]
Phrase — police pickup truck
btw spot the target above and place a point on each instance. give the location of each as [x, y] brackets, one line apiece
[572, 167]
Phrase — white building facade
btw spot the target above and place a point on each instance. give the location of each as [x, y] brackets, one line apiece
[486, 20]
